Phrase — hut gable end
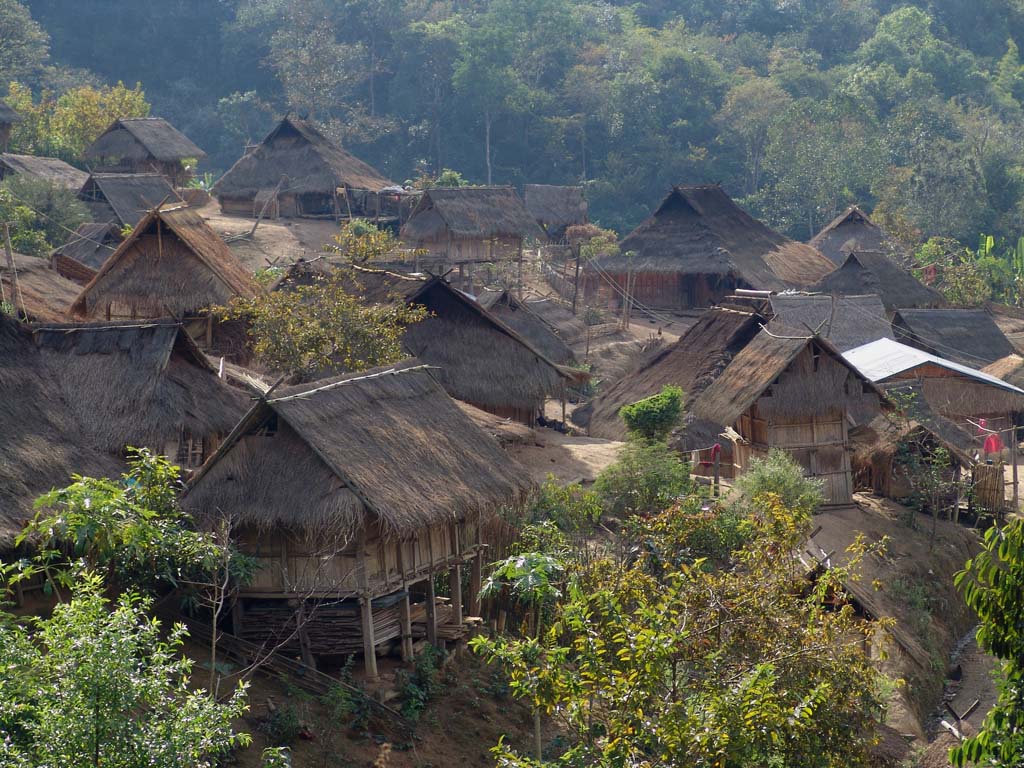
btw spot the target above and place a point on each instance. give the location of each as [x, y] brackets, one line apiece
[471, 213]
[143, 138]
[171, 263]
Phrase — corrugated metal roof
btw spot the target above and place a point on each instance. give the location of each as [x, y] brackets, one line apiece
[884, 358]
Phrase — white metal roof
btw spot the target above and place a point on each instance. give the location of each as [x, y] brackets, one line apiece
[884, 358]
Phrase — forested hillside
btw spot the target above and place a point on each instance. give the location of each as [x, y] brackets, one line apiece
[797, 107]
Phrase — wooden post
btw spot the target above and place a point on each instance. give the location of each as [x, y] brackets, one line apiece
[455, 588]
[431, 612]
[405, 625]
[576, 279]
[15, 285]
[304, 645]
[369, 645]
[209, 331]
[520, 268]
[956, 484]
[1013, 459]
[718, 471]
[475, 583]
[237, 617]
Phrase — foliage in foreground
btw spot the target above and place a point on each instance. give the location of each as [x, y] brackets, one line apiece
[647, 477]
[95, 686]
[993, 586]
[646, 658]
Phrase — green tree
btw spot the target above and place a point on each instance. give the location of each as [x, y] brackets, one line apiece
[750, 109]
[56, 210]
[98, 685]
[654, 417]
[647, 477]
[24, 45]
[992, 584]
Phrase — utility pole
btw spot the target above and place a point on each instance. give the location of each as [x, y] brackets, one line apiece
[576, 278]
[16, 293]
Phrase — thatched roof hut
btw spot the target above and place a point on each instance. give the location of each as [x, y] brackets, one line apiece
[142, 145]
[172, 263]
[852, 231]
[693, 362]
[556, 208]
[42, 294]
[867, 272]
[966, 336]
[84, 253]
[310, 169]
[1010, 321]
[125, 198]
[699, 246]
[481, 360]
[137, 384]
[521, 316]
[797, 393]
[1010, 369]
[470, 213]
[846, 321]
[48, 169]
[387, 443]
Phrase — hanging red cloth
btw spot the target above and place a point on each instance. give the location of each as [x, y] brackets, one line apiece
[993, 444]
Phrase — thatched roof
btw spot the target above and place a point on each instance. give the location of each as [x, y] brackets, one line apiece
[171, 263]
[137, 384]
[966, 336]
[555, 208]
[46, 294]
[846, 321]
[92, 244]
[43, 169]
[1010, 369]
[143, 138]
[308, 161]
[849, 232]
[8, 115]
[701, 231]
[757, 367]
[1010, 321]
[873, 272]
[521, 317]
[41, 445]
[470, 213]
[388, 442]
[693, 363]
[126, 197]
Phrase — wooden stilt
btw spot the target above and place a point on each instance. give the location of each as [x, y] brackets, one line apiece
[369, 645]
[237, 617]
[304, 645]
[431, 613]
[455, 588]
[1013, 460]
[475, 583]
[405, 624]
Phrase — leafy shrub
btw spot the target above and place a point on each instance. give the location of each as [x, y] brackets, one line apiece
[654, 417]
[648, 477]
[283, 726]
[420, 685]
[573, 508]
[779, 474]
[56, 211]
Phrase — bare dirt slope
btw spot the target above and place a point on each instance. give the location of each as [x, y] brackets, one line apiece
[912, 583]
[570, 458]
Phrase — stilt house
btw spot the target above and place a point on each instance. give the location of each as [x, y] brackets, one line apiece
[144, 145]
[966, 336]
[81, 257]
[297, 171]
[871, 272]
[697, 247]
[8, 117]
[124, 198]
[43, 169]
[796, 393]
[555, 208]
[480, 231]
[171, 264]
[852, 231]
[353, 494]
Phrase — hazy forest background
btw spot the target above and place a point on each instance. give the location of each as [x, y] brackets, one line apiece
[798, 107]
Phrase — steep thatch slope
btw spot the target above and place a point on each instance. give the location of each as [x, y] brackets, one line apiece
[868, 272]
[470, 213]
[851, 232]
[48, 169]
[42, 295]
[308, 161]
[701, 231]
[126, 197]
[387, 441]
[171, 263]
[142, 138]
[966, 336]
[846, 321]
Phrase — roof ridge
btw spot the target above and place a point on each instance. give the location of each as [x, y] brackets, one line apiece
[351, 380]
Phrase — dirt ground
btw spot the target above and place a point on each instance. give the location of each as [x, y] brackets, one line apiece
[570, 458]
